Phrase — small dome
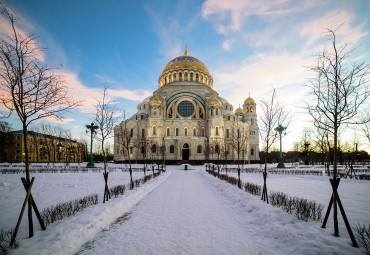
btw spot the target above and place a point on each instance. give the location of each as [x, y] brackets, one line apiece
[239, 110]
[215, 101]
[155, 100]
[249, 100]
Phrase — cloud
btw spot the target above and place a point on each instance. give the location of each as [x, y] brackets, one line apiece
[88, 96]
[24, 29]
[316, 29]
[63, 121]
[105, 79]
[232, 14]
[258, 74]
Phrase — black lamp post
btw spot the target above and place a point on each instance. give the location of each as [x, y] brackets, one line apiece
[306, 145]
[92, 129]
[280, 129]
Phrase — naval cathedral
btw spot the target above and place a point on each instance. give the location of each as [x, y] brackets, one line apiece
[186, 120]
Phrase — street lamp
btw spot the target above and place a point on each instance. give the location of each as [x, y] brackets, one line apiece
[92, 128]
[280, 129]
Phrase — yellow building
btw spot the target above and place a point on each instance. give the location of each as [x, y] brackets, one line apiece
[186, 120]
[41, 148]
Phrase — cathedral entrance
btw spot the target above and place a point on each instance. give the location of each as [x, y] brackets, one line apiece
[185, 152]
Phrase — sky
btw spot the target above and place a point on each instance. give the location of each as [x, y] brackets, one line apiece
[248, 46]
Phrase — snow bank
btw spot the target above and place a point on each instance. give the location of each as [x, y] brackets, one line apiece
[67, 236]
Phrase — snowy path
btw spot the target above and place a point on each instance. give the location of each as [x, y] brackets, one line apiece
[192, 213]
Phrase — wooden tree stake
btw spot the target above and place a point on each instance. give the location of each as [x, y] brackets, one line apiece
[335, 183]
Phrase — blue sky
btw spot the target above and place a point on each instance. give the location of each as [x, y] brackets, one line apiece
[248, 46]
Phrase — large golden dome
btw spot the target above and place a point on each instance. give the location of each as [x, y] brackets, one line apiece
[186, 62]
[185, 68]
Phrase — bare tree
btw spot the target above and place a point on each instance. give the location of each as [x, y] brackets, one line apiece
[33, 90]
[339, 90]
[227, 143]
[125, 134]
[239, 140]
[105, 121]
[142, 145]
[273, 115]
[366, 127]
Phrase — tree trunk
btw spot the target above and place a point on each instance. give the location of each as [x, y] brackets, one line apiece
[30, 222]
[335, 209]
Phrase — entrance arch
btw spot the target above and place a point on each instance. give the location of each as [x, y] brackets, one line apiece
[185, 152]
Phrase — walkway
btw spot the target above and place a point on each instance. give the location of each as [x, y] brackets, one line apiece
[193, 213]
[182, 216]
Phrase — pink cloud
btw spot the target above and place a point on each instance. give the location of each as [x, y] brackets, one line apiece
[88, 96]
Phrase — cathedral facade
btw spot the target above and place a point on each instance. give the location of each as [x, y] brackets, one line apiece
[186, 120]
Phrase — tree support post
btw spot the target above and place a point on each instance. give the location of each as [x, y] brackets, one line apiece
[264, 192]
[335, 196]
[106, 196]
[28, 199]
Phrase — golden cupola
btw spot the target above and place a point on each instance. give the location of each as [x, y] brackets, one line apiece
[155, 100]
[185, 69]
[238, 111]
[249, 100]
[215, 101]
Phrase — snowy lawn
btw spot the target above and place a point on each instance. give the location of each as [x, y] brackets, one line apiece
[354, 194]
[50, 189]
[191, 212]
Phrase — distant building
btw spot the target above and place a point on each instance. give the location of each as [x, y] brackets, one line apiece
[186, 120]
[41, 148]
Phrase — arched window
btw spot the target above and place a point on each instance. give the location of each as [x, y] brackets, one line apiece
[216, 130]
[252, 152]
[186, 76]
[201, 78]
[191, 76]
[177, 131]
[217, 149]
[142, 117]
[143, 133]
[168, 131]
[172, 149]
[228, 117]
[174, 77]
[154, 148]
[186, 131]
[216, 111]
[197, 77]
[194, 131]
[199, 149]
[136, 117]
[203, 131]
[170, 78]
[180, 76]
[131, 132]
[154, 130]
[227, 133]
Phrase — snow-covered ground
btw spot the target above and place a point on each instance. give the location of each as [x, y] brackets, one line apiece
[180, 212]
[354, 194]
[50, 189]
